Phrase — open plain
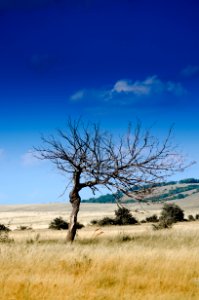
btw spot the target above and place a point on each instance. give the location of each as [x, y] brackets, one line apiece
[115, 262]
[38, 216]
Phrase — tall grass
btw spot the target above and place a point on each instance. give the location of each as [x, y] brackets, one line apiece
[147, 265]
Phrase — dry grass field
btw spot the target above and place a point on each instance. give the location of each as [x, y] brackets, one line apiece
[118, 262]
[38, 216]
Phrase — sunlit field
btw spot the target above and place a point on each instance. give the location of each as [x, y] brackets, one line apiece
[38, 216]
[132, 262]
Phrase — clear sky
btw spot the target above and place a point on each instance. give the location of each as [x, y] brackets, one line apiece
[110, 61]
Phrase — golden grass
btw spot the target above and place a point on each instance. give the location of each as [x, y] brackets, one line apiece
[145, 265]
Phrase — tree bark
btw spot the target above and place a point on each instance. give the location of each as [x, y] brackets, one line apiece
[75, 201]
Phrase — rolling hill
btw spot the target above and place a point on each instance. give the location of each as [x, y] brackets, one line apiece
[167, 191]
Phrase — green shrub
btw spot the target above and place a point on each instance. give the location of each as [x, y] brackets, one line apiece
[191, 218]
[143, 221]
[153, 219]
[4, 228]
[106, 221]
[94, 222]
[163, 224]
[79, 225]
[172, 213]
[60, 224]
[197, 217]
[123, 216]
[23, 227]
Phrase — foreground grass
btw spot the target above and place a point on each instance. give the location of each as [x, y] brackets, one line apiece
[147, 265]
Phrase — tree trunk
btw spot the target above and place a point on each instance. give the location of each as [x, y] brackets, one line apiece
[75, 201]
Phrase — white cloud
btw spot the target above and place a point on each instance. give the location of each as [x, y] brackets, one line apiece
[28, 159]
[190, 71]
[139, 88]
[151, 85]
[78, 95]
[90, 94]
[128, 87]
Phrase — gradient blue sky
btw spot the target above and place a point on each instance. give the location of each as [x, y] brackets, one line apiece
[108, 61]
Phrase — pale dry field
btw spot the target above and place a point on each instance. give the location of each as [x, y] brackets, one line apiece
[125, 263]
[39, 216]
[118, 262]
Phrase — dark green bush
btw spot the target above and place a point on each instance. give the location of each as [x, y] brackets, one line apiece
[153, 219]
[79, 225]
[4, 234]
[172, 213]
[4, 228]
[23, 227]
[197, 217]
[123, 216]
[143, 221]
[191, 218]
[94, 222]
[60, 224]
[106, 221]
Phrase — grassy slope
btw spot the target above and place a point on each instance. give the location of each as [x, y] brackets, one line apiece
[165, 190]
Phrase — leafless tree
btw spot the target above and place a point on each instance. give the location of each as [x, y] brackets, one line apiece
[94, 158]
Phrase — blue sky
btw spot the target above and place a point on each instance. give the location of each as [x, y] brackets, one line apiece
[108, 61]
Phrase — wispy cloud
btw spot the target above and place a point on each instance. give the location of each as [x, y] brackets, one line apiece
[78, 95]
[28, 159]
[190, 71]
[152, 85]
[139, 88]
[90, 94]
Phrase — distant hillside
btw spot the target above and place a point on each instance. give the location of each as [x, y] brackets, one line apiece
[108, 198]
[166, 191]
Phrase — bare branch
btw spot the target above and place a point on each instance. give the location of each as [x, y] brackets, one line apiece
[136, 161]
[93, 158]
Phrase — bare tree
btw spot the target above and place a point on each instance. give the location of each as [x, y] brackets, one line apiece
[94, 158]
